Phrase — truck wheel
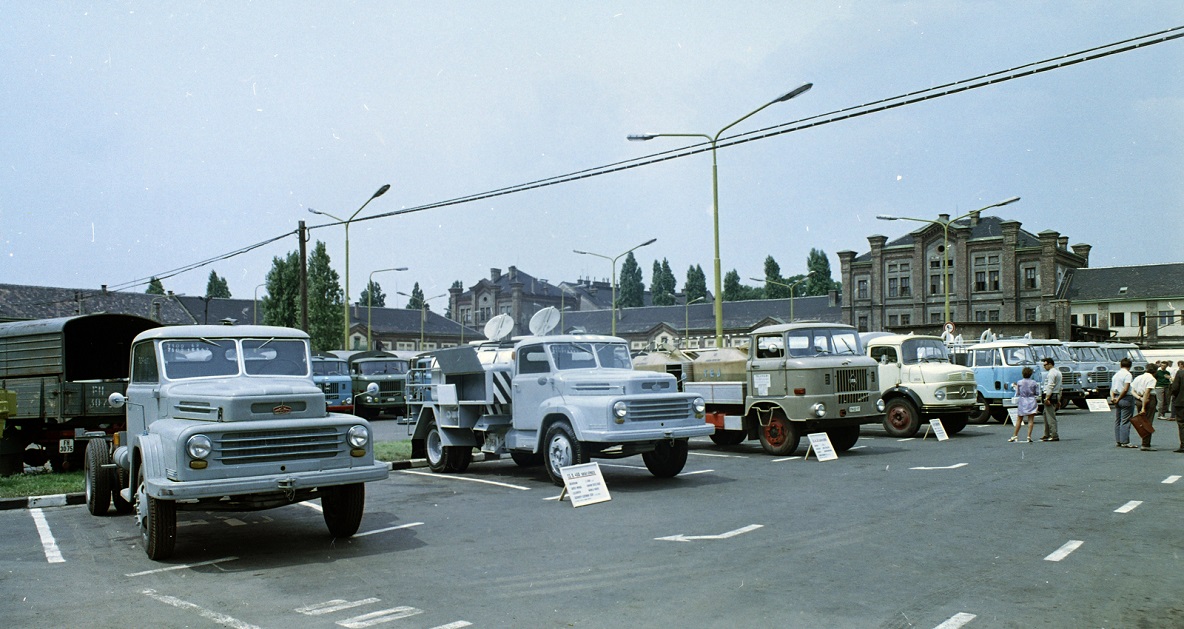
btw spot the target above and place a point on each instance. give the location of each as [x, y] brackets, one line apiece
[158, 522]
[667, 459]
[562, 450]
[843, 439]
[97, 483]
[1080, 403]
[780, 436]
[527, 459]
[118, 482]
[981, 413]
[728, 437]
[435, 450]
[953, 425]
[457, 458]
[901, 418]
[999, 414]
[343, 506]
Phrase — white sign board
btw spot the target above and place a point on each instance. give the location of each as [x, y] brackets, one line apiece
[1014, 415]
[760, 382]
[1098, 405]
[938, 430]
[820, 443]
[584, 484]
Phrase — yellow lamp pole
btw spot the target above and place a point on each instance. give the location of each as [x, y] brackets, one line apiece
[686, 318]
[613, 260]
[945, 231]
[345, 323]
[791, 288]
[255, 316]
[719, 299]
[370, 303]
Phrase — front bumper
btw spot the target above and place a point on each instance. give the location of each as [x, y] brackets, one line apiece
[660, 433]
[164, 489]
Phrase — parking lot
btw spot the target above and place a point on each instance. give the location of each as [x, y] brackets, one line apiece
[973, 532]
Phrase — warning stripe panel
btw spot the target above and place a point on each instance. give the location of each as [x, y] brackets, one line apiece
[501, 386]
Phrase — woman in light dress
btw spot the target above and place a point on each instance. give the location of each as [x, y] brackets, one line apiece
[1027, 391]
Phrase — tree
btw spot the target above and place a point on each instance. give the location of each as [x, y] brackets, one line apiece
[735, 291]
[155, 287]
[820, 282]
[372, 296]
[415, 302]
[662, 284]
[631, 293]
[217, 286]
[325, 301]
[281, 305]
[775, 285]
[668, 279]
[696, 285]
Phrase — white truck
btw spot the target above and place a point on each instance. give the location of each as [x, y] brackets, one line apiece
[557, 400]
[918, 382]
[227, 418]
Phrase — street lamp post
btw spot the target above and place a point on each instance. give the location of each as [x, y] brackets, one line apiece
[719, 299]
[255, 316]
[945, 253]
[614, 263]
[423, 313]
[791, 288]
[370, 302]
[381, 191]
[686, 318]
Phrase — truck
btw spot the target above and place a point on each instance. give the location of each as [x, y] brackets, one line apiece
[1116, 351]
[331, 373]
[226, 418]
[556, 400]
[389, 372]
[1095, 369]
[794, 379]
[918, 382]
[61, 372]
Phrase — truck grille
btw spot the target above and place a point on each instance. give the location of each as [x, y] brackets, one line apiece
[271, 446]
[1099, 377]
[1072, 377]
[658, 410]
[851, 385]
[390, 386]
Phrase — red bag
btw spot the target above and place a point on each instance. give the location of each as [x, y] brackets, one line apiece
[1142, 426]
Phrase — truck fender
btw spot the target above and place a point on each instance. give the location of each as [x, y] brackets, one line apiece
[150, 455]
[457, 437]
[906, 392]
[553, 416]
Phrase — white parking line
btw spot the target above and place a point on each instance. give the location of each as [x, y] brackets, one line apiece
[48, 543]
[945, 467]
[695, 472]
[1128, 507]
[335, 605]
[208, 614]
[180, 567]
[378, 617]
[312, 505]
[460, 624]
[722, 456]
[1064, 551]
[1171, 479]
[907, 439]
[628, 467]
[471, 480]
[389, 528]
[790, 458]
[957, 620]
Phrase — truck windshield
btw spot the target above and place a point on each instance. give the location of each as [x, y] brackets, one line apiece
[822, 341]
[613, 355]
[1087, 354]
[275, 357]
[1018, 355]
[573, 355]
[1056, 352]
[381, 367]
[197, 358]
[330, 368]
[924, 351]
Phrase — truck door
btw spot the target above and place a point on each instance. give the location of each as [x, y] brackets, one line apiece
[889, 365]
[143, 390]
[767, 366]
[533, 384]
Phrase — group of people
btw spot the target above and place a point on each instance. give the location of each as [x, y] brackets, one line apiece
[1158, 393]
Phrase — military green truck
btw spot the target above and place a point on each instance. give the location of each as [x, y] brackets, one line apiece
[389, 372]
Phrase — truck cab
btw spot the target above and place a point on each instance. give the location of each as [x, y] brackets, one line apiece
[1117, 351]
[918, 382]
[332, 375]
[1095, 367]
[386, 370]
[226, 418]
[997, 366]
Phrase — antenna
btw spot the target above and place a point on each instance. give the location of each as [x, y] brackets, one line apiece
[499, 327]
[544, 321]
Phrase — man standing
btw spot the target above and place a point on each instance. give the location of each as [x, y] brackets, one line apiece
[1176, 400]
[1163, 379]
[1052, 398]
[1143, 389]
[1124, 404]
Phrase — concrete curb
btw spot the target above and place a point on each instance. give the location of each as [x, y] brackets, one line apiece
[62, 500]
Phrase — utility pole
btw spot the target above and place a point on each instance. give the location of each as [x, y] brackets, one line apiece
[303, 278]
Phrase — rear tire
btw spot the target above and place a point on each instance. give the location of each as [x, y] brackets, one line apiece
[119, 480]
[343, 506]
[457, 458]
[435, 452]
[780, 436]
[901, 418]
[97, 481]
[728, 437]
[562, 449]
[667, 459]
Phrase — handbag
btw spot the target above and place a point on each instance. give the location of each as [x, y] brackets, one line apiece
[1142, 426]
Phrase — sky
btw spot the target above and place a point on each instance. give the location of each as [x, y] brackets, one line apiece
[140, 137]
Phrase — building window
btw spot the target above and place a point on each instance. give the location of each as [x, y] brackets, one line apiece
[993, 280]
[863, 324]
[1117, 319]
[986, 273]
[935, 317]
[1073, 319]
[861, 289]
[935, 284]
[1165, 317]
[1089, 320]
[893, 287]
[980, 281]
[993, 314]
[893, 321]
[898, 279]
[906, 319]
[1141, 318]
[1030, 278]
[980, 315]
[405, 346]
[1029, 314]
[905, 291]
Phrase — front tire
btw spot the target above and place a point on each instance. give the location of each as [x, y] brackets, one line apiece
[562, 449]
[97, 480]
[728, 437]
[1080, 403]
[158, 522]
[901, 418]
[780, 436]
[667, 459]
[953, 425]
[981, 413]
[999, 414]
[342, 506]
[843, 439]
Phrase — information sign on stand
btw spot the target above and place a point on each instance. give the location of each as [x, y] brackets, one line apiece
[1014, 415]
[584, 484]
[820, 444]
[1098, 405]
[939, 430]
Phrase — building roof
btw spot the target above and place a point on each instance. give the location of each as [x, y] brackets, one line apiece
[19, 302]
[403, 321]
[986, 227]
[738, 315]
[1149, 281]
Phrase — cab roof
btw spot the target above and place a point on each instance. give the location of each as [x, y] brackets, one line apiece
[896, 339]
[221, 332]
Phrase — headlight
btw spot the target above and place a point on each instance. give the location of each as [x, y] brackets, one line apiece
[700, 406]
[620, 409]
[347, 401]
[819, 409]
[880, 405]
[358, 436]
[198, 446]
[940, 394]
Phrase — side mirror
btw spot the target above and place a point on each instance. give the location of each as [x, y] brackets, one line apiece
[116, 400]
[372, 388]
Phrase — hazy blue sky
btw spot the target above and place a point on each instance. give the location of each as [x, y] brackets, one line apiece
[142, 136]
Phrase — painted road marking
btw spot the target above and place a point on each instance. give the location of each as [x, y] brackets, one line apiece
[180, 567]
[791, 458]
[312, 505]
[471, 480]
[1171, 479]
[1128, 507]
[48, 543]
[460, 624]
[379, 617]
[947, 467]
[334, 605]
[722, 456]
[208, 614]
[389, 528]
[907, 439]
[686, 538]
[695, 472]
[856, 447]
[191, 523]
[1064, 551]
[628, 467]
[957, 620]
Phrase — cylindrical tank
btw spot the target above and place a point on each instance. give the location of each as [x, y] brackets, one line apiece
[673, 362]
[726, 364]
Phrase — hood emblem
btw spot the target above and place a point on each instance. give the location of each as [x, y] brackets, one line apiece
[282, 409]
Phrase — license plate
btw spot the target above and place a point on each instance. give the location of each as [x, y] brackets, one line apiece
[65, 446]
[854, 409]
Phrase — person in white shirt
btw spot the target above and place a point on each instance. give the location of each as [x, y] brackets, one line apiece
[1124, 404]
[1052, 399]
[1143, 388]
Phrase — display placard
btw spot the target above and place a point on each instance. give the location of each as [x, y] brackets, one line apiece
[1097, 405]
[761, 382]
[1013, 415]
[938, 430]
[584, 484]
[821, 445]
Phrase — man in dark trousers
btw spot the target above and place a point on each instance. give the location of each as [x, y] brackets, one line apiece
[1176, 401]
